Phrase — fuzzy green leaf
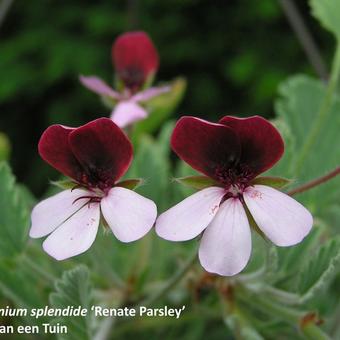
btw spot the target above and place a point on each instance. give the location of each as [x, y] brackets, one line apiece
[130, 183]
[74, 289]
[272, 264]
[18, 284]
[14, 217]
[5, 147]
[328, 13]
[298, 107]
[197, 182]
[274, 182]
[318, 272]
[151, 162]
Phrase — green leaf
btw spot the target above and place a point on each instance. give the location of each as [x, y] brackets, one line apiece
[5, 147]
[151, 162]
[197, 182]
[74, 289]
[272, 264]
[179, 192]
[319, 271]
[161, 107]
[301, 98]
[65, 184]
[328, 13]
[14, 217]
[131, 183]
[291, 259]
[19, 285]
[275, 182]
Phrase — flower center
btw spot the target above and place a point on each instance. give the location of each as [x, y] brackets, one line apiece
[96, 180]
[235, 178]
[133, 78]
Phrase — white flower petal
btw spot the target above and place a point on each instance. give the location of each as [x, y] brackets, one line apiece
[282, 219]
[190, 217]
[150, 93]
[226, 244]
[129, 215]
[99, 86]
[53, 211]
[127, 112]
[76, 235]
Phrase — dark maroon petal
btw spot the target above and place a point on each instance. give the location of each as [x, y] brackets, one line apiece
[135, 58]
[261, 144]
[209, 148]
[103, 150]
[53, 148]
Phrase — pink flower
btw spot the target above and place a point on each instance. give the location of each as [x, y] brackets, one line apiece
[136, 61]
[95, 156]
[135, 58]
[232, 153]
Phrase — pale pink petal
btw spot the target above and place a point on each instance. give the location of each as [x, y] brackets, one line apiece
[226, 243]
[98, 86]
[282, 219]
[76, 235]
[129, 215]
[127, 112]
[190, 217]
[150, 93]
[52, 212]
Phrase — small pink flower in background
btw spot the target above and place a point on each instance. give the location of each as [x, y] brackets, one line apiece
[95, 156]
[135, 58]
[231, 153]
[136, 62]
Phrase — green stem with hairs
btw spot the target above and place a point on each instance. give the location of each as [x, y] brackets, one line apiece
[104, 330]
[290, 315]
[171, 283]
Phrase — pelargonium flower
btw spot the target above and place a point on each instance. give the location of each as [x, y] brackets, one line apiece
[94, 156]
[232, 154]
[136, 61]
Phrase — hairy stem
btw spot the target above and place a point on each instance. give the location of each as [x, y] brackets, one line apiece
[171, 283]
[292, 316]
[315, 182]
[26, 260]
[322, 113]
[4, 8]
[104, 330]
[305, 38]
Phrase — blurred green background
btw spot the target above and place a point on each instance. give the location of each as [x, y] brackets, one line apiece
[233, 54]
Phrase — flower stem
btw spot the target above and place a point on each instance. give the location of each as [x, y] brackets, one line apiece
[171, 283]
[285, 297]
[313, 332]
[315, 182]
[323, 111]
[290, 315]
[37, 268]
[4, 8]
[104, 330]
[305, 38]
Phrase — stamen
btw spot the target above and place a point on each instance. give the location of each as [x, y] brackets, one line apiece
[92, 199]
[96, 178]
[235, 178]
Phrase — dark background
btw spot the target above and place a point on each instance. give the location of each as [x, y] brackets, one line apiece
[233, 54]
